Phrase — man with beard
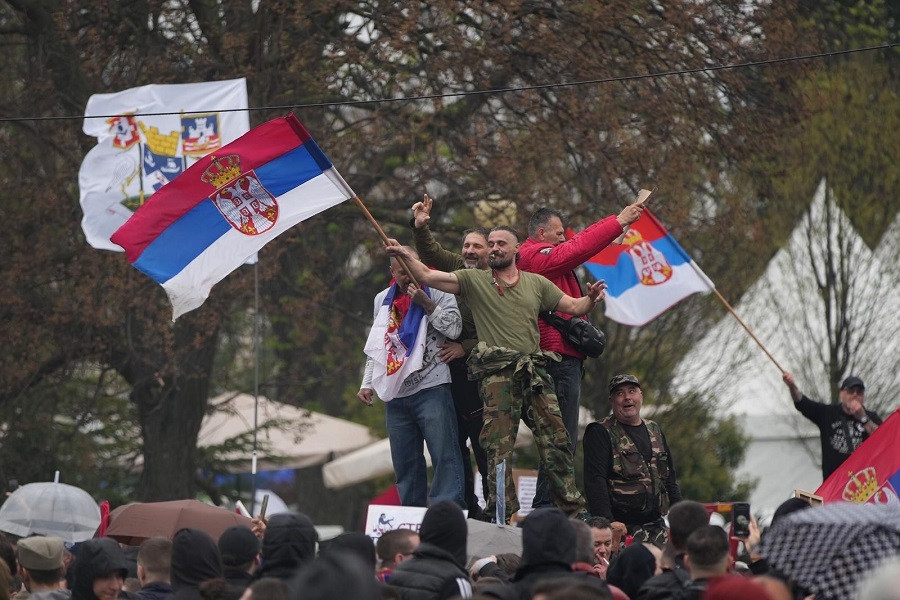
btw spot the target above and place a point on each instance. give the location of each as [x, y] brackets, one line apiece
[505, 303]
[468, 404]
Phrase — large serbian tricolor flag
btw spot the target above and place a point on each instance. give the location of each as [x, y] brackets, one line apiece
[228, 205]
[872, 472]
[646, 274]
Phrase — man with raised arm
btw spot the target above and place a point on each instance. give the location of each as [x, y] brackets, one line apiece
[547, 252]
[505, 303]
[466, 400]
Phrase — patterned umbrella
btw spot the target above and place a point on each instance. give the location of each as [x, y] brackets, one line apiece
[828, 549]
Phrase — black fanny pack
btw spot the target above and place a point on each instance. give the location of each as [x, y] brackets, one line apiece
[580, 333]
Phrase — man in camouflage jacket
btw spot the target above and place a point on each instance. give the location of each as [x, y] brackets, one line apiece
[629, 475]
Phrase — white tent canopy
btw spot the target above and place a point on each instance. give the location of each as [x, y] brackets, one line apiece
[294, 438]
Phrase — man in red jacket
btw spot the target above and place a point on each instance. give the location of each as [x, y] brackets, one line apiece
[547, 252]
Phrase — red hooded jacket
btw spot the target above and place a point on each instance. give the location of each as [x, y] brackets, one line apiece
[557, 263]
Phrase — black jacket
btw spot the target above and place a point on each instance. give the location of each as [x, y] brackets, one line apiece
[667, 583]
[548, 551]
[156, 590]
[195, 559]
[431, 573]
[96, 558]
[289, 543]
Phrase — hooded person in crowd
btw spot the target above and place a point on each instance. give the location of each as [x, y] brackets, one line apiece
[99, 571]
[334, 575]
[41, 567]
[632, 568]
[288, 544]
[195, 559]
[239, 549]
[354, 542]
[548, 551]
[437, 568]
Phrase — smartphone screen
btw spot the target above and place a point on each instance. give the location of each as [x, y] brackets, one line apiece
[740, 519]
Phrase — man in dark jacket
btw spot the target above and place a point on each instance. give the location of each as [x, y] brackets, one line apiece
[436, 570]
[685, 517]
[548, 551]
[99, 571]
[239, 548]
[195, 559]
[154, 567]
[288, 544]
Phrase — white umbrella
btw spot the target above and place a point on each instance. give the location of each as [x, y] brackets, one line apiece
[48, 508]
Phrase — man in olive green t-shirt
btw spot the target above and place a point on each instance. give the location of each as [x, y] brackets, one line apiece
[505, 303]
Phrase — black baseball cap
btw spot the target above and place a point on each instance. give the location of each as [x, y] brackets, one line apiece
[852, 382]
[623, 378]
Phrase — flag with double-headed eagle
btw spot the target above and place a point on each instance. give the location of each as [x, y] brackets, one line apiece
[396, 342]
[227, 206]
[648, 273]
[872, 472]
[146, 137]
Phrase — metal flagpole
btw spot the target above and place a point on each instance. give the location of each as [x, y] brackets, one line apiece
[255, 384]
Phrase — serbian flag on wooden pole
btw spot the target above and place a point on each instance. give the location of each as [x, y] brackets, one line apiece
[647, 273]
[872, 472]
[206, 223]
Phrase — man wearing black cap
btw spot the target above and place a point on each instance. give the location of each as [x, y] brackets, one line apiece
[843, 426]
[629, 475]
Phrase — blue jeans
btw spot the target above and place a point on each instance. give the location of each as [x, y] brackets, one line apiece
[566, 375]
[429, 416]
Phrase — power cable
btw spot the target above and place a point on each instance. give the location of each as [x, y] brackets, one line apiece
[492, 91]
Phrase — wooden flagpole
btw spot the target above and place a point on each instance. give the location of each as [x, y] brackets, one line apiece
[747, 329]
[384, 238]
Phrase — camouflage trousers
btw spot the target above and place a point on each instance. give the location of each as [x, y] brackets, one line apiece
[505, 397]
[655, 533]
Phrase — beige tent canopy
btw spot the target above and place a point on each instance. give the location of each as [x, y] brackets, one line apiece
[288, 437]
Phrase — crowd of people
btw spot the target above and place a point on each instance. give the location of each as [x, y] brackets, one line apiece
[494, 354]
[561, 558]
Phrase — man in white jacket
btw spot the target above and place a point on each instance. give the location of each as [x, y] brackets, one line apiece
[404, 370]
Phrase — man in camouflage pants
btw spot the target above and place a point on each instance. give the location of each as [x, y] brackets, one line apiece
[505, 303]
[629, 475]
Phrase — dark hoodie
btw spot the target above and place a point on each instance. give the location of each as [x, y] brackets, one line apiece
[335, 575]
[96, 558]
[195, 559]
[436, 570]
[289, 543]
[548, 551]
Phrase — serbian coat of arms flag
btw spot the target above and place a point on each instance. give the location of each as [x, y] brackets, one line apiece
[396, 343]
[146, 137]
[872, 472]
[227, 206]
[646, 274]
